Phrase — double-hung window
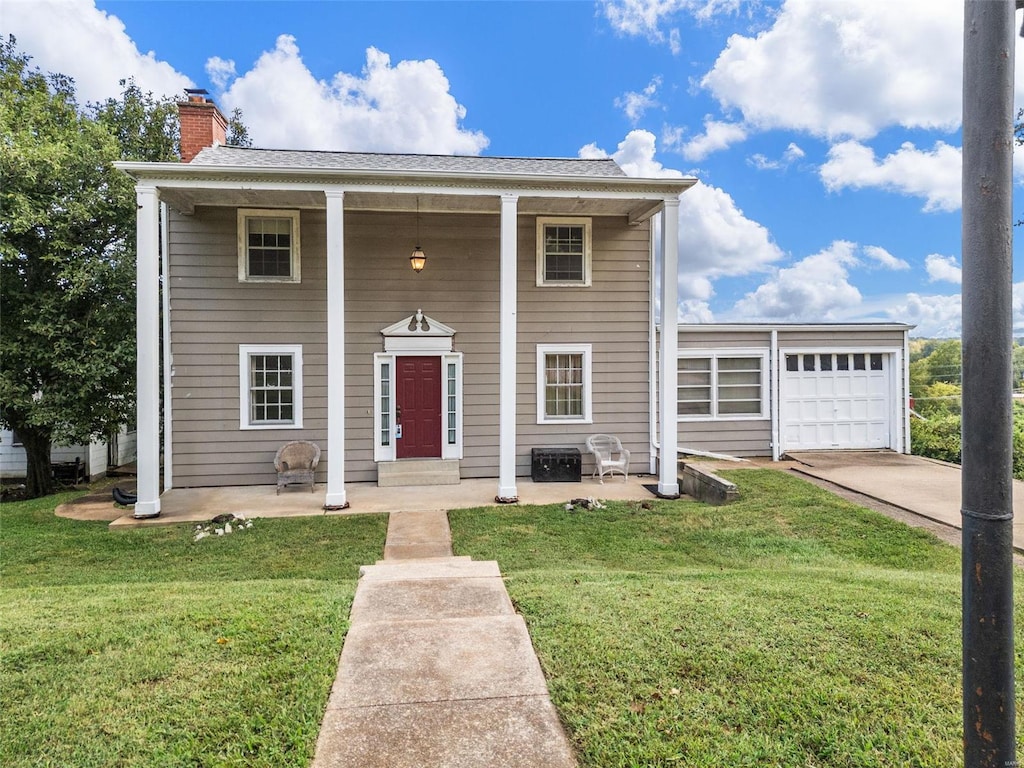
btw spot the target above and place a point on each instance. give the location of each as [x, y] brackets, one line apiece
[268, 246]
[270, 379]
[563, 251]
[722, 385]
[563, 383]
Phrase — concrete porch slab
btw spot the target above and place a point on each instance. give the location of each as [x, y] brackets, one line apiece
[404, 662]
[430, 598]
[491, 733]
[194, 505]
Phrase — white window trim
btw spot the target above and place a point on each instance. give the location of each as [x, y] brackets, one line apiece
[586, 223]
[543, 350]
[244, 214]
[448, 450]
[245, 351]
[714, 354]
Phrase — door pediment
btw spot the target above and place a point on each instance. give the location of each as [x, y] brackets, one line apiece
[418, 333]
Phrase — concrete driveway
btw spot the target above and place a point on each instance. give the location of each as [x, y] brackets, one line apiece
[924, 486]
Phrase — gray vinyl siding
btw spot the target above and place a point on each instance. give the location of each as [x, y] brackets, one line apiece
[832, 339]
[613, 316]
[212, 314]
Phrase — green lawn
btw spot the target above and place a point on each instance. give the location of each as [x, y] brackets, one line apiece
[789, 629]
[143, 648]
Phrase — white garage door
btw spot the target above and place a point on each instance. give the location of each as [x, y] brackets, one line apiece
[835, 400]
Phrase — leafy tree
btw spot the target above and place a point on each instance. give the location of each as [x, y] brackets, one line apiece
[237, 134]
[67, 258]
[146, 128]
[1018, 367]
[944, 362]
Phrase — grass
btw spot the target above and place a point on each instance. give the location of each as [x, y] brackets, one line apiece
[789, 629]
[141, 647]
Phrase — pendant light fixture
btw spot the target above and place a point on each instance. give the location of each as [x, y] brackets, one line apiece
[418, 258]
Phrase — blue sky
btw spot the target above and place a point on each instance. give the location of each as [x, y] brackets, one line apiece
[825, 134]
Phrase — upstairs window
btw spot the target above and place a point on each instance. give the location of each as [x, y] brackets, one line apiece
[268, 246]
[563, 252]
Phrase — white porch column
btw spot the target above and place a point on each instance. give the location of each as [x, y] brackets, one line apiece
[147, 336]
[668, 479]
[507, 490]
[336, 497]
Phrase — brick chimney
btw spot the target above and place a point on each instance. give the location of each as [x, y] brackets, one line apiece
[202, 124]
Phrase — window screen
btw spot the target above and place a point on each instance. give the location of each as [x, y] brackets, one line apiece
[271, 389]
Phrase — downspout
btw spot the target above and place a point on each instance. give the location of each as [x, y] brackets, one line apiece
[773, 373]
[652, 354]
[168, 362]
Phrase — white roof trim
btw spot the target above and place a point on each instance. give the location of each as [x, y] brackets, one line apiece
[765, 327]
[186, 175]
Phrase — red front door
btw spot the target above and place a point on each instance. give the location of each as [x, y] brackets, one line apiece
[418, 407]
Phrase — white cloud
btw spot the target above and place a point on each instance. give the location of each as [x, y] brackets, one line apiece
[635, 104]
[790, 156]
[933, 175]
[884, 258]
[934, 316]
[220, 71]
[847, 68]
[942, 268]
[716, 239]
[939, 316]
[402, 108]
[635, 155]
[717, 136]
[646, 18]
[692, 311]
[75, 38]
[816, 288]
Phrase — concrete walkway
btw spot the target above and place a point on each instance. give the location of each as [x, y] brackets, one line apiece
[923, 486]
[437, 670]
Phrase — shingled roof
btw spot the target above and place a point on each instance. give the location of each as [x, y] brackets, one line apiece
[240, 157]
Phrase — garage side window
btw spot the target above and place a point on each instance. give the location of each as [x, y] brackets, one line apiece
[722, 385]
[268, 246]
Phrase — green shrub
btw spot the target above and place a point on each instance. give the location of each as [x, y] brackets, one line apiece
[937, 438]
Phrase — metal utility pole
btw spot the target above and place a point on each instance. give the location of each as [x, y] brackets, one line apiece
[987, 490]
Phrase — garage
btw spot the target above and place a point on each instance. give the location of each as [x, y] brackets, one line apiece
[836, 399]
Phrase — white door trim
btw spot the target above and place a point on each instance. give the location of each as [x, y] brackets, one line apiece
[893, 373]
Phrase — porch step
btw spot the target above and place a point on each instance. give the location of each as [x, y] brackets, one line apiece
[406, 472]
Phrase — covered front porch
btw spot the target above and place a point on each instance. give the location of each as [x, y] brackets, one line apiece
[193, 505]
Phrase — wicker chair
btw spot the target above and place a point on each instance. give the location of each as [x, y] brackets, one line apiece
[609, 456]
[295, 463]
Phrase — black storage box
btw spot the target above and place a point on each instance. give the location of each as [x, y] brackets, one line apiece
[555, 465]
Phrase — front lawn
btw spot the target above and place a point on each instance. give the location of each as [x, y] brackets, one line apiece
[789, 629]
[142, 647]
